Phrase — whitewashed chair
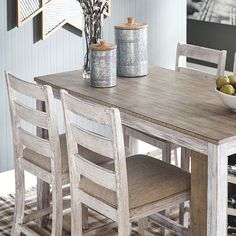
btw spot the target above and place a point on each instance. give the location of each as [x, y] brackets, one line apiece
[35, 155]
[45, 158]
[124, 189]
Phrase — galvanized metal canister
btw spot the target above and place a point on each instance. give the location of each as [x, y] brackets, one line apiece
[103, 65]
[132, 55]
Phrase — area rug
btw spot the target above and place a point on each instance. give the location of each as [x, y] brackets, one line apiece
[95, 219]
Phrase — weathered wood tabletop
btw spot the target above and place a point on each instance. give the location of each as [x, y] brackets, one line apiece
[184, 110]
[174, 100]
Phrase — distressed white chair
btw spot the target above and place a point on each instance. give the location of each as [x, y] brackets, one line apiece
[125, 189]
[45, 158]
[35, 155]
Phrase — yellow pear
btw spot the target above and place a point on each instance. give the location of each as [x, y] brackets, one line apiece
[228, 89]
[221, 81]
[232, 79]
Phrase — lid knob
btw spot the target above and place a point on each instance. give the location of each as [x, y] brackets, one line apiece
[130, 20]
[103, 43]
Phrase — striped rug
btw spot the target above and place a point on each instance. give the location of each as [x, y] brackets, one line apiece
[95, 219]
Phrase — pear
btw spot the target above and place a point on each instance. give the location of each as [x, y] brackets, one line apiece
[232, 79]
[228, 89]
[221, 81]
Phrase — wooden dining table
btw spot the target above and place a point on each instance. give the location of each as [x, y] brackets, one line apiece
[178, 108]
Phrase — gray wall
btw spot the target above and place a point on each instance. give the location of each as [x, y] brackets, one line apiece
[25, 56]
[212, 35]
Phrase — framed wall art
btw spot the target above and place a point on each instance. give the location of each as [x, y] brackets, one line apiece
[55, 14]
[215, 11]
[211, 23]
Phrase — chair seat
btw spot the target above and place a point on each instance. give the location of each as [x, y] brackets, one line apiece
[45, 163]
[149, 180]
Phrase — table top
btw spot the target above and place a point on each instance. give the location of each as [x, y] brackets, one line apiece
[184, 103]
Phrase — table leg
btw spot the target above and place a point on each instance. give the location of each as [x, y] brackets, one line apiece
[217, 190]
[131, 144]
[43, 188]
[198, 194]
[209, 192]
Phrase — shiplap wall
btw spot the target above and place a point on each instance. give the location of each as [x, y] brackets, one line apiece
[26, 57]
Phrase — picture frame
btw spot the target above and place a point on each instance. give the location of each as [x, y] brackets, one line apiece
[71, 14]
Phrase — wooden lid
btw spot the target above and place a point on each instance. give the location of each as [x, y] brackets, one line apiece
[131, 25]
[103, 46]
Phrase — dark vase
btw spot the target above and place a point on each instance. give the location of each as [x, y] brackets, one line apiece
[92, 31]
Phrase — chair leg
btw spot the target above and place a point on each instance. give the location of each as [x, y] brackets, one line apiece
[166, 156]
[76, 214]
[20, 200]
[183, 216]
[142, 225]
[176, 157]
[85, 216]
[57, 208]
[185, 159]
[43, 200]
[164, 231]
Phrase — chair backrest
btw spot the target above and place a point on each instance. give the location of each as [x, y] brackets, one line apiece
[217, 57]
[112, 148]
[48, 146]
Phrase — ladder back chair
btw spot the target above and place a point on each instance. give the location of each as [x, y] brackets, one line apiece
[40, 157]
[124, 189]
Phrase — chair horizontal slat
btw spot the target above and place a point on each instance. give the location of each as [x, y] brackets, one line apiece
[32, 116]
[28, 89]
[97, 205]
[93, 112]
[96, 173]
[92, 141]
[200, 53]
[39, 145]
[194, 72]
[27, 231]
[36, 170]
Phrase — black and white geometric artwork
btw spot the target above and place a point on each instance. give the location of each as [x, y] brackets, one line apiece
[55, 14]
[216, 11]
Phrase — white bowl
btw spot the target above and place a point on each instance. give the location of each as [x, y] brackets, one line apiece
[228, 100]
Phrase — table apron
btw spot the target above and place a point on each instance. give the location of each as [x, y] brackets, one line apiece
[165, 133]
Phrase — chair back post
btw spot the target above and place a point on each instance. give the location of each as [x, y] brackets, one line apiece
[221, 63]
[72, 147]
[53, 134]
[217, 57]
[121, 169]
[234, 69]
[15, 121]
